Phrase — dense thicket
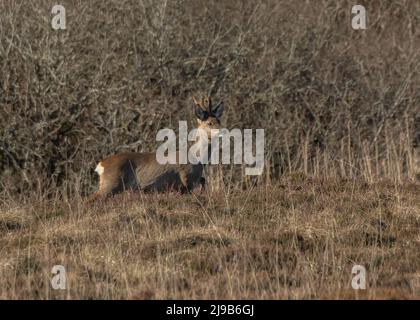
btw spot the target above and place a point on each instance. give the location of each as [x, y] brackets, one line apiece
[124, 69]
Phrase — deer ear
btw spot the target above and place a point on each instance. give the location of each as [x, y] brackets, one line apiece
[217, 111]
[200, 113]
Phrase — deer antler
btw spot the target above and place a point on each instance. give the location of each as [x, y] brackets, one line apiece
[204, 103]
[207, 103]
[198, 103]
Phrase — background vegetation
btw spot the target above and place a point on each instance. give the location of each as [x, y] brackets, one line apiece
[124, 69]
[340, 109]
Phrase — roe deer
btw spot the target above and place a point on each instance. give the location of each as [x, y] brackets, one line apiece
[143, 172]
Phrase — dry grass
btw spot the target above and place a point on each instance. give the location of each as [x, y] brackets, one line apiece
[296, 239]
[340, 109]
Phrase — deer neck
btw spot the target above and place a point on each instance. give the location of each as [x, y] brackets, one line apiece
[202, 143]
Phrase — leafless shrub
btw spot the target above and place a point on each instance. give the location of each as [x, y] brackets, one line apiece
[332, 100]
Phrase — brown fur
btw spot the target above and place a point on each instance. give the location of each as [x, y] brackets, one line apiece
[141, 171]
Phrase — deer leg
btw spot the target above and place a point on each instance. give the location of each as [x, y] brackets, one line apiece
[185, 187]
[203, 183]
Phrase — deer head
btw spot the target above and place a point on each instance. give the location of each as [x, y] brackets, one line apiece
[208, 117]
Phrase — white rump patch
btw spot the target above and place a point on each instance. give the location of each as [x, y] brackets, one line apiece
[99, 168]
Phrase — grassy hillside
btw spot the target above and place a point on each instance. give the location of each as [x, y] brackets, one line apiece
[296, 239]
